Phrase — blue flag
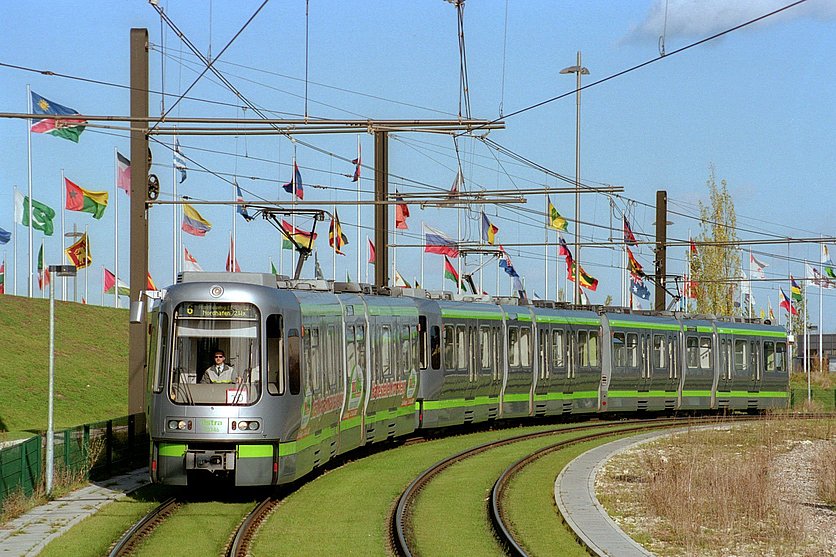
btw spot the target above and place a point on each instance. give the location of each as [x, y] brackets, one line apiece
[242, 209]
[5, 236]
[638, 288]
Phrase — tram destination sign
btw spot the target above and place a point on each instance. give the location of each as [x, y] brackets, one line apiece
[217, 310]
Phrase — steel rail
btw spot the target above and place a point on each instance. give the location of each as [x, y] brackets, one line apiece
[240, 544]
[127, 543]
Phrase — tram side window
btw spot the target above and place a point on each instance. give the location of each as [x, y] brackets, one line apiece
[461, 347]
[632, 350]
[313, 367]
[705, 353]
[385, 353]
[558, 349]
[449, 347]
[332, 367]
[780, 356]
[583, 355]
[406, 351]
[435, 347]
[525, 346]
[673, 372]
[543, 361]
[498, 362]
[769, 355]
[415, 344]
[422, 341]
[161, 359]
[351, 356]
[660, 357]
[294, 373]
[275, 355]
[692, 352]
[485, 343]
[740, 355]
[513, 347]
[619, 349]
[592, 348]
[361, 347]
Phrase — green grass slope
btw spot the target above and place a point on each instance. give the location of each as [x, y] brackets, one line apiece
[91, 363]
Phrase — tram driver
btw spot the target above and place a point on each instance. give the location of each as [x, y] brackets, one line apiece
[220, 372]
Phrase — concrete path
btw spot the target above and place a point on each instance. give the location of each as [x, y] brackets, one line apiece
[29, 534]
[574, 493]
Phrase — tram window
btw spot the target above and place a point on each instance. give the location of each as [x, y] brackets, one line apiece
[543, 361]
[485, 343]
[673, 372]
[753, 360]
[525, 346]
[513, 347]
[449, 347]
[406, 351]
[435, 347]
[498, 361]
[313, 366]
[351, 356]
[558, 349]
[740, 356]
[385, 353]
[769, 355]
[660, 357]
[162, 356]
[780, 356]
[592, 348]
[332, 367]
[414, 344]
[725, 359]
[422, 341]
[294, 375]
[619, 351]
[275, 355]
[583, 359]
[461, 347]
[705, 353]
[632, 350]
[361, 347]
[692, 352]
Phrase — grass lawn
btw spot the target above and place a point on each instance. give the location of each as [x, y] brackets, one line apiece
[91, 364]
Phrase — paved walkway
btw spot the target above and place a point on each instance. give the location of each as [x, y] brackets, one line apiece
[574, 493]
[29, 534]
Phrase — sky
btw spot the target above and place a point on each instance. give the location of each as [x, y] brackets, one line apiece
[755, 105]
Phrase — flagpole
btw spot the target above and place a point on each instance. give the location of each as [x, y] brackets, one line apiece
[234, 236]
[101, 293]
[334, 247]
[424, 284]
[87, 269]
[821, 326]
[115, 230]
[545, 258]
[359, 232]
[63, 234]
[29, 159]
[369, 247]
[14, 238]
[173, 219]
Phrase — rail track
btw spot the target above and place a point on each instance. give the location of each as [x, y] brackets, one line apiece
[240, 543]
[143, 527]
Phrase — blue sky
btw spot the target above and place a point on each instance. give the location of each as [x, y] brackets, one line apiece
[756, 104]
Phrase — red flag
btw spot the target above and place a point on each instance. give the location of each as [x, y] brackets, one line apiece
[401, 213]
[230, 268]
[633, 265]
[357, 162]
[149, 283]
[371, 251]
[787, 304]
[629, 237]
[694, 251]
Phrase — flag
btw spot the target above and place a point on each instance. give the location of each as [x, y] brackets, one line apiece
[357, 162]
[123, 173]
[587, 281]
[770, 312]
[336, 238]
[80, 199]
[505, 263]
[179, 161]
[437, 242]
[400, 281]
[317, 269]
[372, 256]
[302, 238]
[795, 290]
[694, 251]
[756, 267]
[193, 223]
[240, 208]
[489, 230]
[275, 271]
[817, 278]
[189, 262]
[450, 271]
[563, 251]
[786, 303]
[691, 287]
[43, 270]
[69, 128]
[458, 182]
[295, 184]
[629, 237]
[827, 264]
[232, 262]
[347, 277]
[401, 213]
[111, 283]
[638, 288]
[417, 284]
[42, 215]
[633, 265]
[5, 236]
[555, 220]
[584, 298]
[3, 277]
[79, 253]
[149, 282]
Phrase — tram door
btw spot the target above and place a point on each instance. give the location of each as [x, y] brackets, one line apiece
[645, 363]
[542, 374]
[572, 360]
[725, 379]
[756, 365]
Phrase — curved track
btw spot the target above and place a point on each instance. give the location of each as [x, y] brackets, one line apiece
[240, 543]
[144, 526]
[400, 518]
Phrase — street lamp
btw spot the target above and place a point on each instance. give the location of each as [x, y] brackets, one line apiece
[579, 70]
[55, 271]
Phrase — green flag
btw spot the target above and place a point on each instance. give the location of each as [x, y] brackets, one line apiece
[42, 215]
[273, 269]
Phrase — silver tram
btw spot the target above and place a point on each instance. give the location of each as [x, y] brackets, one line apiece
[322, 368]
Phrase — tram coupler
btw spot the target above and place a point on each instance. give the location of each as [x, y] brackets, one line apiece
[210, 460]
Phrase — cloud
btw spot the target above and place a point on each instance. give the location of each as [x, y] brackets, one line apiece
[700, 18]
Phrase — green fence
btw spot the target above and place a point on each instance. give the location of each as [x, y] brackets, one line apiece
[98, 449]
[823, 399]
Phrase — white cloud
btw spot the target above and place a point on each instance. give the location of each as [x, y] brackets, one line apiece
[700, 18]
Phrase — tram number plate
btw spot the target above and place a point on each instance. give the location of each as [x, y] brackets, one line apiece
[211, 425]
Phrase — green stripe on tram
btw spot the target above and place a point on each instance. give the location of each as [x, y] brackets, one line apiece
[468, 314]
[171, 449]
[255, 451]
[642, 394]
[459, 402]
[752, 394]
[565, 396]
[643, 325]
[568, 320]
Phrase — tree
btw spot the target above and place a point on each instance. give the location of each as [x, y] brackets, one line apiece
[716, 264]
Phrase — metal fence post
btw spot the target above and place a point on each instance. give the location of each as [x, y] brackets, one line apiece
[109, 447]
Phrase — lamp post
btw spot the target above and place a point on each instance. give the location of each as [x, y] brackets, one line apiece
[579, 70]
[55, 271]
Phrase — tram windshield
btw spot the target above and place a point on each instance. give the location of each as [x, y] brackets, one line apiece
[215, 354]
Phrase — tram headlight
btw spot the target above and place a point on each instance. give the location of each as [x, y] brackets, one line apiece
[181, 424]
[253, 425]
[172, 424]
